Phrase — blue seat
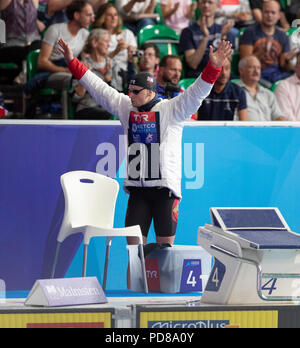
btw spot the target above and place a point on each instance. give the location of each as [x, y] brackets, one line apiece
[270, 239]
[248, 218]
[263, 228]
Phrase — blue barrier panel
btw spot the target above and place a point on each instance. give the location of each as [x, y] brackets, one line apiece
[222, 166]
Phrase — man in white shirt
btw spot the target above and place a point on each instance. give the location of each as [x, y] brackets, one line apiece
[288, 93]
[80, 14]
[261, 102]
[153, 131]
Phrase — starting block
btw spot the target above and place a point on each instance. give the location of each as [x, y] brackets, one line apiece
[256, 257]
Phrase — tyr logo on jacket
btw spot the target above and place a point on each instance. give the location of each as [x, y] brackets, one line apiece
[144, 146]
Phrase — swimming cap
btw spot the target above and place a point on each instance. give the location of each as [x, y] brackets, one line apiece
[145, 80]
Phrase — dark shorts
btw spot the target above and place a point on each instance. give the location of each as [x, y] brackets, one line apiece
[157, 204]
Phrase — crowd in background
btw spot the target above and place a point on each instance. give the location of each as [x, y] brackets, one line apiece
[260, 83]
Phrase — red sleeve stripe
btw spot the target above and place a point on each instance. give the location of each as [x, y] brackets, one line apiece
[210, 73]
[77, 68]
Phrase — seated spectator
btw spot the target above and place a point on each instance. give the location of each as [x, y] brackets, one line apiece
[287, 94]
[262, 104]
[226, 102]
[22, 34]
[98, 62]
[256, 7]
[196, 39]
[169, 74]
[121, 40]
[238, 10]
[53, 72]
[150, 58]
[137, 13]
[80, 14]
[170, 69]
[270, 44]
[178, 13]
[144, 60]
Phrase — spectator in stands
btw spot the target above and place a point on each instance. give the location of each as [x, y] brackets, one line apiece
[170, 69]
[22, 32]
[256, 7]
[53, 72]
[226, 102]
[239, 11]
[53, 11]
[98, 61]
[150, 58]
[270, 44]
[196, 39]
[169, 74]
[178, 13]
[121, 41]
[137, 13]
[262, 104]
[80, 14]
[144, 60]
[288, 93]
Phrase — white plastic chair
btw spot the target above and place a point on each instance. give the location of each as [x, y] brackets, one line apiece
[90, 200]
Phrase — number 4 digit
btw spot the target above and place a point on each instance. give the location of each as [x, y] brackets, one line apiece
[191, 279]
[215, 277]
[270, 288]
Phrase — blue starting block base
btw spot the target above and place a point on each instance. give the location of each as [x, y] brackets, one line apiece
[256, 257]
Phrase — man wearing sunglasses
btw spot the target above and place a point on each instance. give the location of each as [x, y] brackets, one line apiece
[153, 129]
